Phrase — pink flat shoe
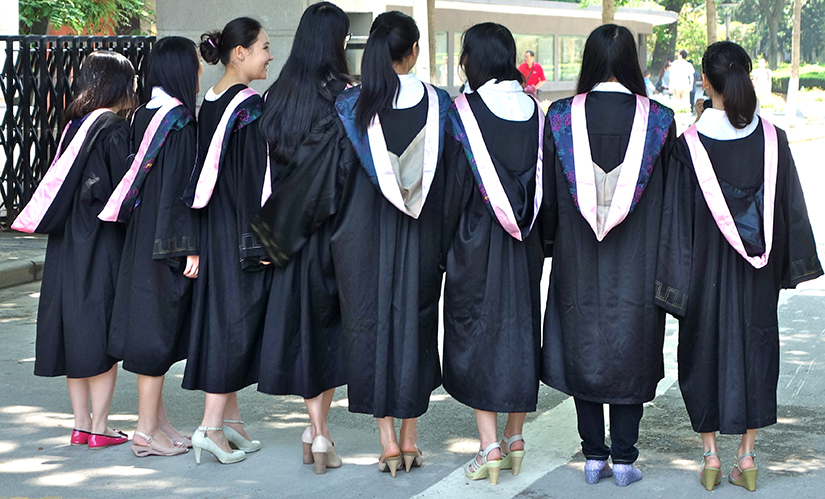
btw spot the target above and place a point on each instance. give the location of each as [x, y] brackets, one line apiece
[80, 437]
[98, 441]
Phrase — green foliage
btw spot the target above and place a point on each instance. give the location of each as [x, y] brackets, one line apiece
[693, 31]
[810, 76]
[94, 16]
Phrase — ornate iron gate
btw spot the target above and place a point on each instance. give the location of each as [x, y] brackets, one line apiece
[37, 83]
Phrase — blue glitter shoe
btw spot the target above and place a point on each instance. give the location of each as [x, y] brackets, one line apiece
[595, 470]
[625, 474]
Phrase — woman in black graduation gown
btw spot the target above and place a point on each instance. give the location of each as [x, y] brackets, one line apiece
[386, 240]
[151, 315]
[492, 302]
[229, 300]
[83, 253]
[734, 220]
[303, 342]
[603, 335]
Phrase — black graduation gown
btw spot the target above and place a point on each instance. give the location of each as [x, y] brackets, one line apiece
[728, 327]
[387, 269]
[232, 288]
[492, 292]
[151, 316]
[603, 335]
[302, 349]
[81, 266]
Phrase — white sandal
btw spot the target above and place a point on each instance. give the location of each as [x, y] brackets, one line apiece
[475, 471]
[511, 459]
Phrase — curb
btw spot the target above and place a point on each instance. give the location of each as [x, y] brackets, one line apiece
[21, 272]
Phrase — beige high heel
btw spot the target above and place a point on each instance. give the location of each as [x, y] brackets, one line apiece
[412, 459]
[306, 441]
[390, 463]
[323, 452]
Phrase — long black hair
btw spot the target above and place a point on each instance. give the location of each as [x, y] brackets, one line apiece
[727, 67]
[217, 46]
[610, 51]
[392, 37]
[489, 52]
[312, 77]
[106, 79]
[173, 66]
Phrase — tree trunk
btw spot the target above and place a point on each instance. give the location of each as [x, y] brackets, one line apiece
[710, 8]
[608, 11]
[431, 32]
[772, 10]
[793, 82]
[666, 40]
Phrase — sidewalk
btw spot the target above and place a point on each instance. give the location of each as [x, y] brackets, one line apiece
[21, 257]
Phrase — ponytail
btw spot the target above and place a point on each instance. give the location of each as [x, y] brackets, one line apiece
[391, 39]
[727, 67]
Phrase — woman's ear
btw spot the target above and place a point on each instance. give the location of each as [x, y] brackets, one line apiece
[240, 52]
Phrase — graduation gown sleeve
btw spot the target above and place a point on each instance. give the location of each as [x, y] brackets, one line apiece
[286, 221]
[801, 261]
[675, 257]
[549, 213]
[176, 230]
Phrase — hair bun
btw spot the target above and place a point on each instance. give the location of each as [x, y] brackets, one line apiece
[210, 47]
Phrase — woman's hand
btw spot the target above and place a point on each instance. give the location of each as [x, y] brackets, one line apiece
[192, 265]
[699, 107]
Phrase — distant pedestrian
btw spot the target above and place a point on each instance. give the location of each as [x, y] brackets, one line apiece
[681, 77]
[83, 252]
[735, 231]
[533, 74]
[762, 82]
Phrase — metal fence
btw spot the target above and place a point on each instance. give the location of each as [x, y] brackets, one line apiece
[36, 86]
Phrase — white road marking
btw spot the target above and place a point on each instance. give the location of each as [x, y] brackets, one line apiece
[552, 440]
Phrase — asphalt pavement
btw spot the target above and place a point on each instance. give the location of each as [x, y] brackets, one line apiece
[36, 459]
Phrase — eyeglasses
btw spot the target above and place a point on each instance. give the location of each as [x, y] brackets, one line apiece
[348, 37]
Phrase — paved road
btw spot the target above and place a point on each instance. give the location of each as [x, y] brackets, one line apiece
[35, 421]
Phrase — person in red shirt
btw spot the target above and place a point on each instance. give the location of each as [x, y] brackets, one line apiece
[533, 73]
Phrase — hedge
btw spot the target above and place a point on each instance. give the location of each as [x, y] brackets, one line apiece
[810, 76]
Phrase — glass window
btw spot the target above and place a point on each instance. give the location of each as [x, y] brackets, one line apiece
[570, 56]
[441, 58]
[458, 74]
[542, 46]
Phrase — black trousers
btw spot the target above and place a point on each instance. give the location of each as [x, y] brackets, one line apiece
[624, 431]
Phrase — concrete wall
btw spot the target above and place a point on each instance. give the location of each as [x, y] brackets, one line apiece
[9, 23]
[279, 18]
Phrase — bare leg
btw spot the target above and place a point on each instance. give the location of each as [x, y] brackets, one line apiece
[515, 425]
[79, 396]
[318, 409]
[709, 444]
[409, 434]
[101, 391]
[214, 410]
[164, 424]
[745, 446]
[389, 442]
[233, 413]
[487, 431]
[150, 389]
